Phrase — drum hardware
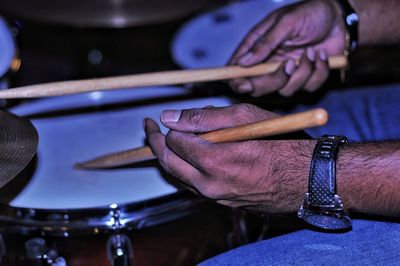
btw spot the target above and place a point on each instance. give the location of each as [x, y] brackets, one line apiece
[150, 79]
[97, 220]
[37, 253]
[266, 128]
[66, 225]
[119, 250]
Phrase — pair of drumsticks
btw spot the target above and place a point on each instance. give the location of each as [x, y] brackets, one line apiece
[280, 125]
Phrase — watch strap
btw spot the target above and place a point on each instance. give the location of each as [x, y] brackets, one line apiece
[322, 180]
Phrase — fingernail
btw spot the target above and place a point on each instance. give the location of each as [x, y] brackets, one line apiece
[245, 87]
[290, 67]
[310, 54]
[170, 116]
[245, 59]
[323, 55]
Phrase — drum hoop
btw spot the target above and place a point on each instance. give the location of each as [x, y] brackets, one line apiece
[127, 216]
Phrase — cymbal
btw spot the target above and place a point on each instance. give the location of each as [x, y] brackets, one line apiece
[103, 13]
[18, 145]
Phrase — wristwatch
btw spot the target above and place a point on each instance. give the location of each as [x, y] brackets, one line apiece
[351, 20]
[322, 206]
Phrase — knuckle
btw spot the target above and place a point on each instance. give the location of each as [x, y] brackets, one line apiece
[261, 47]
[207, 163]
[170, 139]
[247, 43]
[195, 117]
[243, 110]
[248, 112]
[211, 191]
[280, 80]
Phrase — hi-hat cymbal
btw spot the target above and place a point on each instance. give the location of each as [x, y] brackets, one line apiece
[103, 13]
[18, 145]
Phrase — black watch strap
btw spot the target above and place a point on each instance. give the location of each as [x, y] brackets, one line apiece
[322, 180]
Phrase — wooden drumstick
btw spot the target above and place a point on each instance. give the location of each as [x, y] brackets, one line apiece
[150, 79]
[270, 127]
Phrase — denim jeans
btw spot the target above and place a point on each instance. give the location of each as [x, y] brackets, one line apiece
[363, 114]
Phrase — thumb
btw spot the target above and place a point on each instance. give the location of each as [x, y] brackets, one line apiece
[208, 119]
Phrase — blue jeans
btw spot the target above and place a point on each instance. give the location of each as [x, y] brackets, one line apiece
[361, 115]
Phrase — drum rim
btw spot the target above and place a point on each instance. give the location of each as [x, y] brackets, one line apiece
[126, 216]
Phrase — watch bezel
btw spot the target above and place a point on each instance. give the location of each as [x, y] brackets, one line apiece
[345, 221]
[335, 211]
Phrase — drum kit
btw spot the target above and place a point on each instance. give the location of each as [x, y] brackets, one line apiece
[53, 214]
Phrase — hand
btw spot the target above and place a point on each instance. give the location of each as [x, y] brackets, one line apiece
[260, 175]
[309, 32]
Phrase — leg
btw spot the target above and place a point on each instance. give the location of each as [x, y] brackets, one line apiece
[362, 114]
[369, 243]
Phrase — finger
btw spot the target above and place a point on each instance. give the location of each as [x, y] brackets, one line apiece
[272, 82]
[266, 44]
[204, 120]
[171, 163]
[241, 85]
[320, 74]
[252, 37]
[196, 151]
[219, 163]
[301, 75]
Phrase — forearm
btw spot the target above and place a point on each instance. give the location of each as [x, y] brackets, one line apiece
[378, 21]
[368, 177]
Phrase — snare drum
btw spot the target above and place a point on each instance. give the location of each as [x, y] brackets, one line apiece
[63, 216]
[210, 39]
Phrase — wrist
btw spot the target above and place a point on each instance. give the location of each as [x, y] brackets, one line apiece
[295, 159]
[344, 179]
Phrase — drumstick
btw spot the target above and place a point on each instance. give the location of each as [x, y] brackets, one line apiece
[270, 127]
[149, 79]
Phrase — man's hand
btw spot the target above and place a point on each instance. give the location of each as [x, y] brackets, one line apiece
[260, 175]
[308, 32]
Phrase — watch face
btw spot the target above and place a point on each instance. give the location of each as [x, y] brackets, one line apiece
[328, 221]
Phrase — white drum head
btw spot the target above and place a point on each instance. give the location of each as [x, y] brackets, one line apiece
[66, 137]
[210, 39]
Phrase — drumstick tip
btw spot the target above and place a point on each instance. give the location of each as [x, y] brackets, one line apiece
[321, 116]
[78, 166]
[89, 166]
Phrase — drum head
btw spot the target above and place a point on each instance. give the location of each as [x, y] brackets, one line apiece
[210, 39]
[79, 127]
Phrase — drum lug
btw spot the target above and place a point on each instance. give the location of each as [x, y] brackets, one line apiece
[119, 250]
[115, 221]
[38, 253]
